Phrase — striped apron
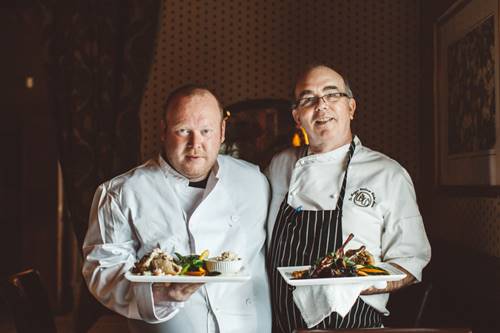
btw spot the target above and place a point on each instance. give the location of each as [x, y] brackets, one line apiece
[299, 238]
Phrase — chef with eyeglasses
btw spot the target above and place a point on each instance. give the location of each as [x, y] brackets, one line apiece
[331, 188]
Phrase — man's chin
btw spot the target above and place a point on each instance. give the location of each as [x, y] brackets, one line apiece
[195, 174]
[196, 177]
[322, 134]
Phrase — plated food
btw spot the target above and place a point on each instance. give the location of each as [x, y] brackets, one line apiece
[351, 263]
[159, 263]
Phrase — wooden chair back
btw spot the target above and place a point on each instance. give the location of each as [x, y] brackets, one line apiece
[28, 301]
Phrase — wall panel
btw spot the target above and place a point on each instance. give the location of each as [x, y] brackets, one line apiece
[470, 221]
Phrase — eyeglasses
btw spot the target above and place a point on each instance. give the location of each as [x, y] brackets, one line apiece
[327, 98]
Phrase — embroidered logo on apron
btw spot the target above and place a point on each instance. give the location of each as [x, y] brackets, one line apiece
[363, 197]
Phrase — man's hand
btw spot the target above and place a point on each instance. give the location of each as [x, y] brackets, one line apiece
[174, 292]
[392, 285]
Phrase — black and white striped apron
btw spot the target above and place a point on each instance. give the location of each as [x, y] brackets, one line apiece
[299, 238]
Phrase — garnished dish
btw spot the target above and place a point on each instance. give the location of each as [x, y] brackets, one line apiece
[158, 266]
[351, 263]
[159, 263]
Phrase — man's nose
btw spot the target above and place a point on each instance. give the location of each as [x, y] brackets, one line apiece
[321, 104]
[195, 139]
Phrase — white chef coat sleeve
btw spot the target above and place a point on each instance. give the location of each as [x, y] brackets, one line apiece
[404, 241]
[273, 206]
[278, 174]
[109, 251]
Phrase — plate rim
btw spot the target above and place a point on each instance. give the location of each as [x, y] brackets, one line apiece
[242, 276]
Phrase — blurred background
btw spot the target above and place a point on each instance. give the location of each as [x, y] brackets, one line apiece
[83, 82]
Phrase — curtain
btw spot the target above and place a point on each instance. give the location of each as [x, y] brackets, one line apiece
[99, 54]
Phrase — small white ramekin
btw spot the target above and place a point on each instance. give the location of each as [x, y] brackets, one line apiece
[224, 267]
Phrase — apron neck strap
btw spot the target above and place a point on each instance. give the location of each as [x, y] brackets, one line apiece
[350, 153]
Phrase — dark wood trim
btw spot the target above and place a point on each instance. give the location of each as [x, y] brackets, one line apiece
[456, 7]
[470, 191]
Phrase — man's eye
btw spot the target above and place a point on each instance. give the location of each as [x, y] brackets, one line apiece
[307, 100]
[333, 95]
[183, 132]
[206, 131]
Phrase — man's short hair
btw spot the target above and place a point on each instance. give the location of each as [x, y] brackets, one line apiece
[190, 89]
[309, 67]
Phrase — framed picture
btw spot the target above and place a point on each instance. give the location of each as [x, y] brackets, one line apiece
[466, 83]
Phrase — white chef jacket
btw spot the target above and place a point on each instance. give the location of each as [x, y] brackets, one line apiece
[139, 210]
[379, 208]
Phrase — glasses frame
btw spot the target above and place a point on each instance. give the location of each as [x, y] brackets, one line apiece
[315, 99]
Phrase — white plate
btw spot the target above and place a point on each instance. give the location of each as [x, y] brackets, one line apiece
[242, 276]
[394, 275]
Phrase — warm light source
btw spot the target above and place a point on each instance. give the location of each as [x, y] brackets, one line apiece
[30, 82]
[296, 140]
[304, 134]
[300, 138]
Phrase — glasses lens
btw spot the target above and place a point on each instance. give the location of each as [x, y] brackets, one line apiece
[308, 101]
[332, 97]
[328, 98]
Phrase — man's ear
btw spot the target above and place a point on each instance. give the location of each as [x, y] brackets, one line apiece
[352, 107]
[223, 130]
[295, 115]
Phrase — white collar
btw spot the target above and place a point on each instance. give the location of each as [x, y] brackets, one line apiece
[170, 172]
[337, 154]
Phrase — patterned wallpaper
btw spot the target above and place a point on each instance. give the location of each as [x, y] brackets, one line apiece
[253, 49]
[471, 221]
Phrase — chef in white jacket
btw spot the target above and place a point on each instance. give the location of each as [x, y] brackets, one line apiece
[336, 186]
[186, 200]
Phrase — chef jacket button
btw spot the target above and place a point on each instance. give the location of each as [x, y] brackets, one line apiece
[235, 218]
[248, 301]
